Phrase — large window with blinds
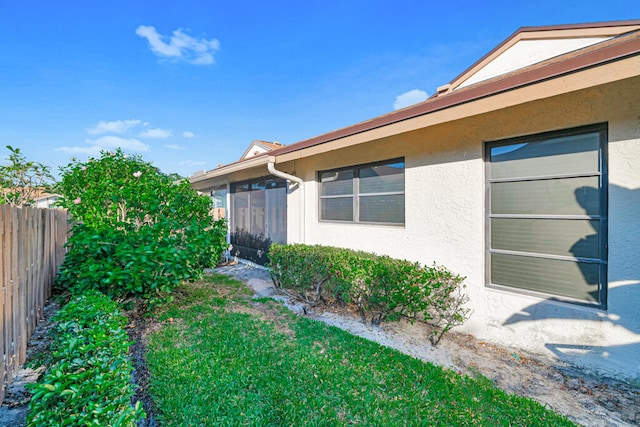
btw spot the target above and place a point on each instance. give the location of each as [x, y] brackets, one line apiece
[371, 193]
[547, 214]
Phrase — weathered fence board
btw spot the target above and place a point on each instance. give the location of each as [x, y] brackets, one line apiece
[31, 249]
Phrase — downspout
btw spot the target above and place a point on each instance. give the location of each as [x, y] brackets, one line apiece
[271, 166]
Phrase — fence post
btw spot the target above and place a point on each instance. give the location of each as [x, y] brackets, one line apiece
[4, 246]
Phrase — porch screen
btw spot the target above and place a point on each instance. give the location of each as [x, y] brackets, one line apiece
[547, 214]
[258, 217]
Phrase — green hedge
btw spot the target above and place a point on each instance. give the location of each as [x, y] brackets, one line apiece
[381, 287]
[88, 377]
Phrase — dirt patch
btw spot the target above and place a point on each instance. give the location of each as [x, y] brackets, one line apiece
[139, 329]
[266, 312]
[585, 399]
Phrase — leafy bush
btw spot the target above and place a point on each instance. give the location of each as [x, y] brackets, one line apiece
[381, 287]
[319, 274]
[21, 180]
[136, 231]
[88, 380]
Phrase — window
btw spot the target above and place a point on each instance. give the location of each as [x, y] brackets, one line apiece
[372, 193]
[547, 214]
[219, 202]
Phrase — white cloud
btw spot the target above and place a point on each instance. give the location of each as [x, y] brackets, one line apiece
[187, 134]
[156, 133]
[175, 147]
[106, 143]
[409, 98]
[192, 163]
[180, 46]
[116, 126]
[112, 142]
[92, 150]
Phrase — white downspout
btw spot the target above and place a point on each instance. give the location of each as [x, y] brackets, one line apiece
[271, 166]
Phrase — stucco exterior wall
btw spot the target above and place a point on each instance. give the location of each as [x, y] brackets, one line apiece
[445, 223]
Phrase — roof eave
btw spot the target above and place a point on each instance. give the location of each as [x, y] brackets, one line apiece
[223, 171]
[480, 91]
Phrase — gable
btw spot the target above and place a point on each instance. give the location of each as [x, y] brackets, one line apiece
[532, 45]
[253, 150]
[528, 52]
[258, 147]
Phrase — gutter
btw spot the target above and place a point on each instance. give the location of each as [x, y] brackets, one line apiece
[271, 166]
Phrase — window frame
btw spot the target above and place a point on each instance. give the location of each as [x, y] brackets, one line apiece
[602, 217]
[356, 195]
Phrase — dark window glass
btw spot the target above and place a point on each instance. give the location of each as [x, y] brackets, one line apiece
[337, 183]
[547, 236]
[553, 156]
[337, 209]
[552, 276]
[547, 214]
[386, 208]
[372, 193]
[382, 178]
[564, 196]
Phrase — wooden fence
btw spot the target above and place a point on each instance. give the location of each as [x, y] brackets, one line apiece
[31, 248]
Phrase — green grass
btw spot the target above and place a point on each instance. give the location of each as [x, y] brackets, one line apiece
[222, 361]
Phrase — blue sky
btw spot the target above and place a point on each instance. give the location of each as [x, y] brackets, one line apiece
[189, 84]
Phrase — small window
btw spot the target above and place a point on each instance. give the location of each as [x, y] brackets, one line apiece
[372, 193]
[547, 214]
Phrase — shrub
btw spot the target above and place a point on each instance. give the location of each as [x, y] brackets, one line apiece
[136, 231]
[21, 180]
[382, 288]
[88, 379]
[311, 271]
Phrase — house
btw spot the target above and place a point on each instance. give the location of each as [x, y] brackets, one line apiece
[40, 198]
[521, 174]
[260, 147]
[46, 200]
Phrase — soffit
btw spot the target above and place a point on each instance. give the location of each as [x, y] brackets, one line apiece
[219, 175]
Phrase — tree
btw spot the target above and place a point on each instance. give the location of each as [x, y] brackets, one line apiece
[22, 180]
[136, 231]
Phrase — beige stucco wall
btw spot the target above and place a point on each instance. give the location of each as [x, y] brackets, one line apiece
[445, 220]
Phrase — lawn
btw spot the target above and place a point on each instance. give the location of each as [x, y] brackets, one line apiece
[223, 358]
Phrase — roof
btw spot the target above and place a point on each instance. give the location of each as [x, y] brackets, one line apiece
[259, 147]
[272, 145]
[609, 44]
[38, 193]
